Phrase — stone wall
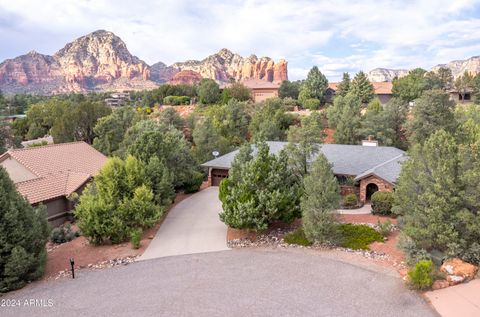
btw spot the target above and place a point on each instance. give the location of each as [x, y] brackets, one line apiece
[382, 185]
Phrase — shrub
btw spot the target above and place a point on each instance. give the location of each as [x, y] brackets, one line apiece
[421, 276]
[384, 227]
[23, 234]
[382, 203]
[136, 237]
[311, 103]
[358, 236]
[413, 253]
[176, 100]
[350, 200]
[297, 237]
[63, 234]
[193, 184]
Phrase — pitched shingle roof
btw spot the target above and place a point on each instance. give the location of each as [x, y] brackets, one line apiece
[353, 160]
[60, 169]
[380, 88]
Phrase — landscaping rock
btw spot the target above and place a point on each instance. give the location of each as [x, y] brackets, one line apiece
[439, 284]
[458, 271]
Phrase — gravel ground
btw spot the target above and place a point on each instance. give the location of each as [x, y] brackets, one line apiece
[241, 282]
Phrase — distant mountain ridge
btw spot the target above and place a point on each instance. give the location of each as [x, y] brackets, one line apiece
[458, 68]
[100, 61]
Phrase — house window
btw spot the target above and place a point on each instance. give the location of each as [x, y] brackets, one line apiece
[467, 97]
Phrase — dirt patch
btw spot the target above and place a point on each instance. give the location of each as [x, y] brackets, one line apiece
[328, 136]
[86, 254]
[237, 234]
[365, 218]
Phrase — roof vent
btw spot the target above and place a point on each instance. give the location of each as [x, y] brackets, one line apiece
[370, 142]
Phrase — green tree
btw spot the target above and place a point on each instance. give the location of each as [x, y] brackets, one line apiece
[23, 235]
[237, 91]
[289, 89]
[437, 196]
[410, 87]
[170, 117]
[207, 139]
[263, 191]
[112, 128]
[304, 142]
[208, 91]
[362, 88]
[441, 79]
[117, 202]
[344, 86]
[314, 86]
[269, 121]
[160, 180]
[169, 146]
[344, 117]
[464, 84]
[320, 198]
[476, 89]
[433, 111]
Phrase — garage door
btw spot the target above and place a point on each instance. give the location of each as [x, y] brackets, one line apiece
[218, 175]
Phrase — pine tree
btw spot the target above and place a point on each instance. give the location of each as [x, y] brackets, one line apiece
[344, 86]
[23, 235]
[433, 111]
[362, 88]
[320, 198]
[314, 86]
[346, 116]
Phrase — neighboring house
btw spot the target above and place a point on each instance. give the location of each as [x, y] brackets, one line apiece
[49, 174]
[261, 89]
[371, 168]
[383, 91]
[117, 99]
[48, 139]
[461, 97]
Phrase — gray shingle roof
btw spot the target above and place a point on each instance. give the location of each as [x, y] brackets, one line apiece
[354, 160]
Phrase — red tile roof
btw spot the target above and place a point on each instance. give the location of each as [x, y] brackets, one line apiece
[60, 169]
[381, 88]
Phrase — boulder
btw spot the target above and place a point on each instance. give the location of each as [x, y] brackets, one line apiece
[439, 284]
[458, 271]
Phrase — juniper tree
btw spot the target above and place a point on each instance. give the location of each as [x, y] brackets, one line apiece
[321, 196]
[344, 86]
[23, 235]
[362, 88]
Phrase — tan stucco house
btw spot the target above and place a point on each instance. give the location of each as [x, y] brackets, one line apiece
[383, 91]
[260, 89]
[371, 168]
[49, 174]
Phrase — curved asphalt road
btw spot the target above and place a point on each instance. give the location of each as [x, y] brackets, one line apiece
[247, 282]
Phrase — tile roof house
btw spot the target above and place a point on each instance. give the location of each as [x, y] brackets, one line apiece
[260, 89]
[383, 90]
[49, 174]
[373, 168]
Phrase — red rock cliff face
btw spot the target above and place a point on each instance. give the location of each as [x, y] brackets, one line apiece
[226, 65]
[185, 77]
[97, 58]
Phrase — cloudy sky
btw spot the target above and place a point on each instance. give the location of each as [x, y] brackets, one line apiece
[337, 36]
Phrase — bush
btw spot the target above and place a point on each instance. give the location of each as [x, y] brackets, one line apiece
[193, 184]
[350, 200]
[311, 103]
[297, 237]
[176, 100]
[382, 203]
[23, 235]
[384, 227]
[358, 236]
[63, 234]
[136, 237]
[413, 253]
[421, 276]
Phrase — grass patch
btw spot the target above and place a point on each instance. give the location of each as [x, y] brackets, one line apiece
[297, 237]
[358, 236]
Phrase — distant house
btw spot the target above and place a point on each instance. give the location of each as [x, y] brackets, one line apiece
[461, 97]
[260, 89]
[371, 168]
[49, 174]
[117, 99]
[383, 91]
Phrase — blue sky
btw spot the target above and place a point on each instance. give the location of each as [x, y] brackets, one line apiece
[337, 36]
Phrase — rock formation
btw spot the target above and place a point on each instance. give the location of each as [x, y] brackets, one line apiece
[385, 74]
[185, 77]
[459, 67]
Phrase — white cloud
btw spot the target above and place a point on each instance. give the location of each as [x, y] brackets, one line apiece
[337, 36]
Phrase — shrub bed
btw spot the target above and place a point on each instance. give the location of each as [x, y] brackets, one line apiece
[176, 100]
[63, 234]
[382, 203]
[358, 236]
[297, 237]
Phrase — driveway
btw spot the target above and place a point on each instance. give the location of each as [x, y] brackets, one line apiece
[246, 282]
[192, 226]
[460, 300]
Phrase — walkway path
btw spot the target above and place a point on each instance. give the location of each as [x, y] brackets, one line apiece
[193, 226]
[460, 300]
[365, 209]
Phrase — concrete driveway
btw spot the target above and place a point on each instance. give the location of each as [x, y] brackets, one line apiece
[192, 226]
[460, 300]
[245, 282]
